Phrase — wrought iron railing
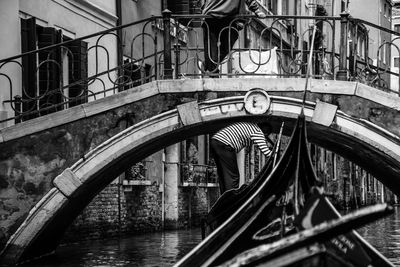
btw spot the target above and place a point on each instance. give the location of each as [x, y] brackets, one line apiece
[198, 174]
[72, 72]
[139, 171]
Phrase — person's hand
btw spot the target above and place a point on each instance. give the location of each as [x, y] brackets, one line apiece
[260, 14]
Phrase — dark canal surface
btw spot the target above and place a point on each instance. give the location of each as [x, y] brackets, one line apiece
[164, 249]
[384, 235]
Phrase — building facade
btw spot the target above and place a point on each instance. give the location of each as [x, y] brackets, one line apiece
[395, 47]
[35, 25]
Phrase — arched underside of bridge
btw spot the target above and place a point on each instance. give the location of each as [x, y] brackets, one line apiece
[371, 147]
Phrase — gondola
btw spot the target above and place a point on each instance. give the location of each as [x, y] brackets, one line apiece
[284, 219]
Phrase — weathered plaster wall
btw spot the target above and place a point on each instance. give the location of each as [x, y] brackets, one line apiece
[29, 164]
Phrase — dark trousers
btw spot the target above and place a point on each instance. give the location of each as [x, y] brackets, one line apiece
[217, 31]
[227, 167]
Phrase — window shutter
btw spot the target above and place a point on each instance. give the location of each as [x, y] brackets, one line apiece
[28, 43]
[78, 71]
[50, 69]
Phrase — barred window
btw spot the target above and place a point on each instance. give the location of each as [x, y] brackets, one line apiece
[397, 28]
[396, 62]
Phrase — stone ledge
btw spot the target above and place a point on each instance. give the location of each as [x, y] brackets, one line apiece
[136, 182]
[192, 86]
[193, 184]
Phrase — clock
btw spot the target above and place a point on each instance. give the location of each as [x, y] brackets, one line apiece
[257, 101]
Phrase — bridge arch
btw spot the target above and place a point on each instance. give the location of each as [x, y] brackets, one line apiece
[368, 145]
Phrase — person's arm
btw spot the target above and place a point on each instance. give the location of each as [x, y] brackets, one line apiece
[254, 7]
[259, 139]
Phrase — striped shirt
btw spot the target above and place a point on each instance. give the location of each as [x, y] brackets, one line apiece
[242, 134]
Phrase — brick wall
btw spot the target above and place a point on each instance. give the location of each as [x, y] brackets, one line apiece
[140, 211]
[99, 219]
[194, 204]
[143, 209]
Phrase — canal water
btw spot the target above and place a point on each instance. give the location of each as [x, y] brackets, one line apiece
[164, 249]
[384, 235]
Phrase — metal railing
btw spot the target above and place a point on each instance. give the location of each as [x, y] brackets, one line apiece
[139, 171]
[198, 174]
[73, 72]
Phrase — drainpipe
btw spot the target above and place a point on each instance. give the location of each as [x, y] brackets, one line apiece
[119, 185]
[163, 190]
[120, 45]
[118, 8]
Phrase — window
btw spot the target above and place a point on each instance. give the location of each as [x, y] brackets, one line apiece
[46, 72]
[383, 54]
[285, 7]
[184, 7]
[361, 46]
[396, 62]
[273, 6]
[397, 28]
[385, 10]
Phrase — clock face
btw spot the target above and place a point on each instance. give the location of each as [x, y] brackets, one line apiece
[257, 101]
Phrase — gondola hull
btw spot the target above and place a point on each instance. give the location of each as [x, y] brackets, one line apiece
[270, 210]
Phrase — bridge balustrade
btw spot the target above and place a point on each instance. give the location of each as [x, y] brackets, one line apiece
[72, 72]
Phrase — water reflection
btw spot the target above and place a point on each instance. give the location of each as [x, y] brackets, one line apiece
[153, 249]
[384, 235]
[164, 249]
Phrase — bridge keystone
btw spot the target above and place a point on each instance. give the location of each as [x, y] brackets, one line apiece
[67, 182]
[324, 113]
[189, 113]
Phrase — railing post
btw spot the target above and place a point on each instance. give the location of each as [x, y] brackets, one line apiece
[167, 44]
[177, 49]
[18, 108]
[344, 29]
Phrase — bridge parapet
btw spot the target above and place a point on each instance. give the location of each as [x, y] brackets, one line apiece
[347, 93]
[70, 73]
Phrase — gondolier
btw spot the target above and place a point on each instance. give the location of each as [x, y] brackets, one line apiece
[222, 30]
[227, 142]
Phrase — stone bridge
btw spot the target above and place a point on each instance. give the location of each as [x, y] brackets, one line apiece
[52, 166]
